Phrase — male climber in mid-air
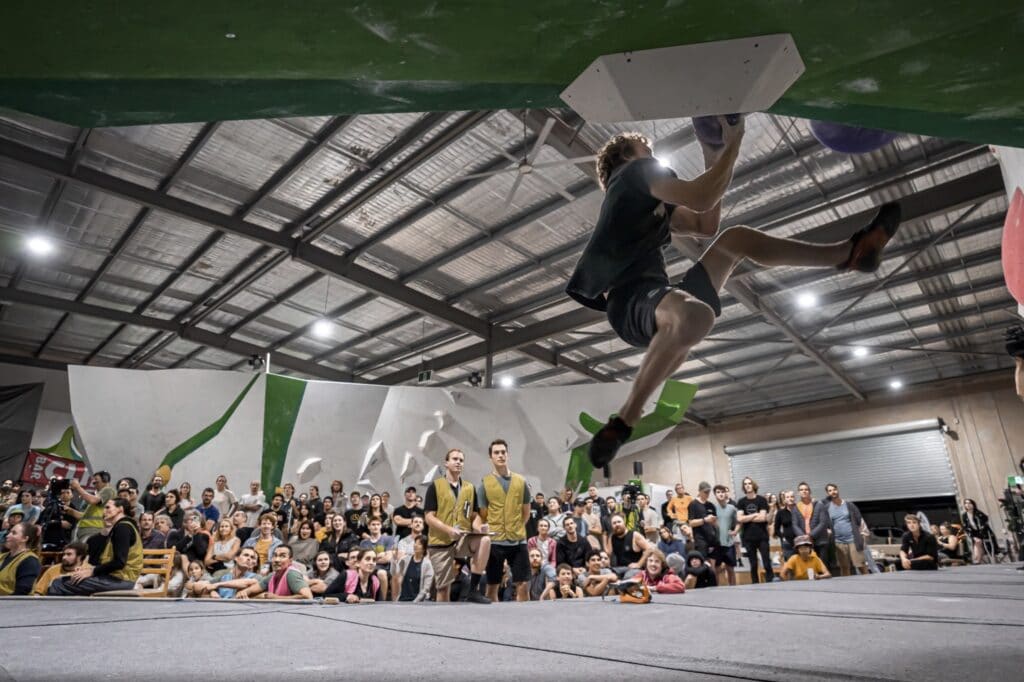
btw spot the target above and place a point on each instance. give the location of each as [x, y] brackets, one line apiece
[622, 269]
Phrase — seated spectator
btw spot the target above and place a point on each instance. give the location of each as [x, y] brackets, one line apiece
[19, 565]
[360, 585]
[172, 509]
[265, 542]
[339, 541]
[132, 496]
[29, 511]
[949, 545]
[304, 545]
[162, 524]
[699, 573]
[210, 512]
[415, 572]
[15, 518]
[197, 579]
[382, 545]
[322, 573]
[240, 522]
[805, 564]
[579, 506]
[598, 578]
[185, 496]
[658, 576]
[919, 551]
[286, 581]
[151, 538]
[554, 518]
[545, 544]
[673, 548]
[629, 548]
[573, 547]
[565, 587]
[303, 513]
[192, 541]
[223, 546]
[538, 582]
[119, 557]
[72, 556]
[241, 576]
[281, 512]
[253, 504]
[417, 527]
[153, 499]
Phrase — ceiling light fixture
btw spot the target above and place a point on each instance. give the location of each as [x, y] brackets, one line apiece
[507, 381]
[860, 351]
[896, 384]
[806, 300]
[40, 245]
[662, 161]
[322, 329]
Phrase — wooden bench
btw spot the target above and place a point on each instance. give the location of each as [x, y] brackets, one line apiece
[159, 562]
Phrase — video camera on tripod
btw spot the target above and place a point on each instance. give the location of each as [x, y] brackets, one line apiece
[53, 537]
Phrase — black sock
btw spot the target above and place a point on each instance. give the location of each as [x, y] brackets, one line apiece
[474, 581]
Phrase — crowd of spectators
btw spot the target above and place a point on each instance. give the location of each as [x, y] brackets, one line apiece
[496, 540]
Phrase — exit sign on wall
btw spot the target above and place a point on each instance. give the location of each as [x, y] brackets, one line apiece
[424, 375]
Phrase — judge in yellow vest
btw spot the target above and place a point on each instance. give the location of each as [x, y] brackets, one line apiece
[120, 559]
[19, 565]
[504, 499]
[450, 508]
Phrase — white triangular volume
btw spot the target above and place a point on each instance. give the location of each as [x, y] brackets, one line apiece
[309, 469]
[365, 483]
[425, 438]
[408, 466]
[454, 396]
[431, 475]
[442, 418]
[374, 456]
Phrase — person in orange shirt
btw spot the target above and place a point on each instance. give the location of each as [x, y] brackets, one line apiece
[805, 505]
[679, 506]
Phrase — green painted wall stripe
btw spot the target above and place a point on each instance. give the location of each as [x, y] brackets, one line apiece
[206, 435]
[65, 447]
[282, 400]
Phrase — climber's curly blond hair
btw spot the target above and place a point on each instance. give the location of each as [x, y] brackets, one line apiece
[614, 153]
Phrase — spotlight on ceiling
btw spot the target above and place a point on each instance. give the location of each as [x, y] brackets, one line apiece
[860, 351]
[896, 384]
[507, 381]
[322, 329]
[40, 245]
[663, 161]
[806, 300]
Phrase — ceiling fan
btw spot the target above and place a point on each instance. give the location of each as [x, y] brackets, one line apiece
[527, 165]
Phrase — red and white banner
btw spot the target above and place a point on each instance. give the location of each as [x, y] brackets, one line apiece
[40, 467]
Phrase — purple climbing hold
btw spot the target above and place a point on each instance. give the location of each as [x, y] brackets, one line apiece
[850, 139]
[709, 130]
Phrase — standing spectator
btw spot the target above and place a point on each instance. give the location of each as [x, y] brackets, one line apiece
[404, 514]
[545, 544]
[339, 540]
[538, 508]
[787, 522]
[804, 563]
[223, 547]
[282, 512]
[92, 518]
[753, 516]
[354, 513]
[679, 506]
[597, 504]
[595, 528]
[704, 522]
[504, 499]
[320, 520]
[172, 509]
[582, 525]
[805, 508]
[192, 541]
[673, 549]
[253, 504]
[185, 500]
[573, 548]
[554, 517]
[728, 532]
[382, 545]
[375, 511]
[975, 523]
[415, 573]
[151, 538]
[153, 498]
[773, 509]
[650, 519]
[450, 508]
[338, 494]
[389, 509]
[119, 557]
[240, 522]
[666, 518]
[211, 515]
[316, 504]
[19, 565]
[223, 498]
[918, 550]
[303, 514]
[845, 520]
[286, 581]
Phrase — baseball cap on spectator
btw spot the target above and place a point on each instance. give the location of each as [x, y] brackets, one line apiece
[803, 540]
[579, 502]
[411, 489]
[704, 485]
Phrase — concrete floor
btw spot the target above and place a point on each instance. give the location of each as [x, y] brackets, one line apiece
[963, 623]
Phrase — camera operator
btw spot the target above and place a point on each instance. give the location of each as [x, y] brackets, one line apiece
[92, 518]
[59, 518]
[630, 512]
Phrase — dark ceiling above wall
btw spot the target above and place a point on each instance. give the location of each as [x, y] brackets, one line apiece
[941, 68]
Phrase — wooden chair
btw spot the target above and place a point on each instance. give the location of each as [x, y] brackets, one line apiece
[158, 562]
